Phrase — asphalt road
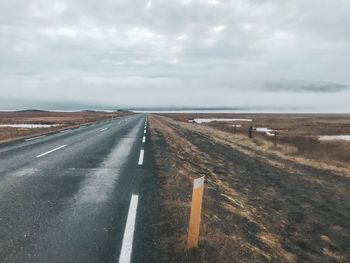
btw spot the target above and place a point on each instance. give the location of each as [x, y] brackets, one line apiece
[66, 197]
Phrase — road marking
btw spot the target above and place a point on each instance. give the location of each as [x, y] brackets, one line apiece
[53, 150]
[34, 138]
[144, 139]
[125, 252]
[144, 131]
[65, 131]
[142, 153]
[103, 129]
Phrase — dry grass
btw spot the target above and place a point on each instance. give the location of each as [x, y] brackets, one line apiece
[64, 119]
[264, 148]
[254, 198]
[175, 193]
[294, 130]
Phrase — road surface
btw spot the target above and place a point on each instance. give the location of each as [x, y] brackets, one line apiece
[73, 196]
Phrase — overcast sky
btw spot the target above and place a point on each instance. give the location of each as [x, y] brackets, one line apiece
[256, 54]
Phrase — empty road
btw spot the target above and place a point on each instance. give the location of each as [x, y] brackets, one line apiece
[73, 196]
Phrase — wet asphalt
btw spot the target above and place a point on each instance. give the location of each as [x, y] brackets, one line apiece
[71, 204]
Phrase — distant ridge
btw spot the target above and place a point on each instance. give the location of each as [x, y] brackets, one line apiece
[33, 110]
[91, 111]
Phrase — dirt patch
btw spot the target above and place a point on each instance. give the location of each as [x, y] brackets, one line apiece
[259, 205]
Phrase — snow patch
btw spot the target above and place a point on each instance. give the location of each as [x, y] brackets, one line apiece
[334, 138]
[200, 120]
[267, 131]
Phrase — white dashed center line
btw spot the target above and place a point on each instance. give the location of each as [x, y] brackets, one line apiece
[103, 129]
[125, 252]
[34, 138]
[144, 139]
[142, 153]
[53, 150]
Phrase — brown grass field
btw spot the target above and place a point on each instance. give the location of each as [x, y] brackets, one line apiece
[261, 204]
[296, 133]
[65, 119]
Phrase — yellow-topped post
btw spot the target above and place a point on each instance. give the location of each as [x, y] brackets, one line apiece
[196, 209]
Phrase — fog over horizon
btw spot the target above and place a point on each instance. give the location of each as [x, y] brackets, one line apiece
[252, 55]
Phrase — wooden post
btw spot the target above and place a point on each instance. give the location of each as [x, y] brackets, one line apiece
[196, 209]
[310, 145]
[250, 132]
[275, 140]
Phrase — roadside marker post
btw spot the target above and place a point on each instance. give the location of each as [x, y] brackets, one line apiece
[196, 209]
[250, 132]
[310, 145]
[275, 141]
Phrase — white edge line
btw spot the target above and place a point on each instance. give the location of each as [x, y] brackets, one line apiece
[34, 138]
[142, 153]
[125, 252]
[53, 150]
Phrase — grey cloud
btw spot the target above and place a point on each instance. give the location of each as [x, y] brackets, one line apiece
[304, 86]
[176, 53]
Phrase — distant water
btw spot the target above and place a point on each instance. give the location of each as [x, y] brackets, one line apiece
[334, 138]
[29, 126]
